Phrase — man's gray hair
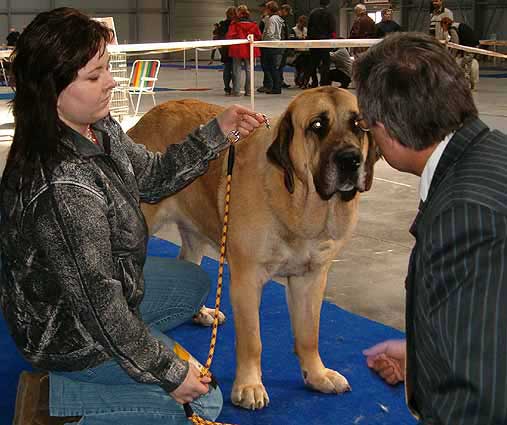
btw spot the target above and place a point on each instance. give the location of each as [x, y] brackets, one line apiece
[411, 84]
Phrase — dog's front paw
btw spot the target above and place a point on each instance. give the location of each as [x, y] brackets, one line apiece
[205, 316]
[329, 381]
[250, 396]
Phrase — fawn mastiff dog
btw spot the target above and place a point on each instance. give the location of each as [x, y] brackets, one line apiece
[294, 200]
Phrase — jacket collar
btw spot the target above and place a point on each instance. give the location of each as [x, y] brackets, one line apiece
[463, 139]
[469, 134]
[82, 147]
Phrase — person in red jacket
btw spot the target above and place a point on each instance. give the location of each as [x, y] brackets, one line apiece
[240, 53]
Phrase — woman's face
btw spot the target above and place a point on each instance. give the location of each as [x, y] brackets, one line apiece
[86, 99]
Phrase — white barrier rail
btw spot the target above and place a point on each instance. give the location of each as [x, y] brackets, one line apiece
[151, 48]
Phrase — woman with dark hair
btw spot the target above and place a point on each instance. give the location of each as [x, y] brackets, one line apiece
[73, 239]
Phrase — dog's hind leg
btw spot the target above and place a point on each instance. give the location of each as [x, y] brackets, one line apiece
[192, 249]
[192, 245]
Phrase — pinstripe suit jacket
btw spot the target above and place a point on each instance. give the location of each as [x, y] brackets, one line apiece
[457, 284]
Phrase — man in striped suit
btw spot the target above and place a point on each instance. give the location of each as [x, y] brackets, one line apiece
[419, 107]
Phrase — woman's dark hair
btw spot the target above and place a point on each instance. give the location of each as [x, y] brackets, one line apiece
[48, 55]
[410, 83]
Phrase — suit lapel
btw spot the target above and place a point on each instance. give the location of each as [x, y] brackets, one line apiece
[465, 137]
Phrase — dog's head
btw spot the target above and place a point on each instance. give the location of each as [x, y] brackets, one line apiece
[321, 132]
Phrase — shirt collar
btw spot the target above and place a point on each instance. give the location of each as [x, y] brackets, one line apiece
[431, 166]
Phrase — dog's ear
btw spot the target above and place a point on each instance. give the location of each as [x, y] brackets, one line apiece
[372, 157]
[278, 152]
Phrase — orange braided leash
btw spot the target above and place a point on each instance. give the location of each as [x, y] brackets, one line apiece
[197, 420]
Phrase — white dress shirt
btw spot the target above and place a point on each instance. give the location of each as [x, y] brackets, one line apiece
[431, 166]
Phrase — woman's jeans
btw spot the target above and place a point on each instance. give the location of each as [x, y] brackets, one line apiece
[236, 75]
[105, 394]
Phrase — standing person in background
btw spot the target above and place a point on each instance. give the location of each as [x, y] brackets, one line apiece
[12, 37]
[240, 53]
[302, 62]
[363, 27]
[223, 27]
[438, 11]
[264, 17]
[215, 37]
[285, 12]
[79, 295]
[387, 25]
[419, 108]
[321, 26]
[273, 56]
[461, 33]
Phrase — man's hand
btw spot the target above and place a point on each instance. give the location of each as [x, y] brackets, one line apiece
[388, 360]
[237, 117]
[192, 387]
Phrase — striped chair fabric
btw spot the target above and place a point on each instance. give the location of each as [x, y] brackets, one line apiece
[143, 77]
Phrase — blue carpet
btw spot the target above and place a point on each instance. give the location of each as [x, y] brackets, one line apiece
[6, 96]
[343, 336]
[503, 75]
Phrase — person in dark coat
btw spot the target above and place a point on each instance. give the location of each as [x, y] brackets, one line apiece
[363, 27]
[223, 27]
[454, 353]
[12, 37]
[387, 25]
[321, 26]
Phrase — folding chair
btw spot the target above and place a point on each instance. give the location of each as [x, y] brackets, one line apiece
[142, 80]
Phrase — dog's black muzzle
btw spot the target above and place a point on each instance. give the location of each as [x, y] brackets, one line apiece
[347, 162]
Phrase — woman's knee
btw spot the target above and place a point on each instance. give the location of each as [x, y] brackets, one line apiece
[210, 405]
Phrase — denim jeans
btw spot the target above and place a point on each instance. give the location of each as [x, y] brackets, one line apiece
[227, 74]
[272, 62]
[105, 394]
[236, 75]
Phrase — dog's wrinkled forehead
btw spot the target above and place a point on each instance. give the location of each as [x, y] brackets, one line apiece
[325, 109]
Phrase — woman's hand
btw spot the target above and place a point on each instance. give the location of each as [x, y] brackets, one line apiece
[237, 117]
[192, 387]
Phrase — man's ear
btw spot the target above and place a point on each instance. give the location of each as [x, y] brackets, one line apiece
[278, 152]
[372, 157]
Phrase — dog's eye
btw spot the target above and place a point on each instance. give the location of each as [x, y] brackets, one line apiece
[317, 125]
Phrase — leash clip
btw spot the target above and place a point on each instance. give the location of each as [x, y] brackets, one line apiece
[233, 137]
[266, 121]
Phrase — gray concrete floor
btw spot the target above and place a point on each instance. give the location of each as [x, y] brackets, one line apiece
[368, 276]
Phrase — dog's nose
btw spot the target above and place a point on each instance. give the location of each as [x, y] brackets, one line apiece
[348, 161]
